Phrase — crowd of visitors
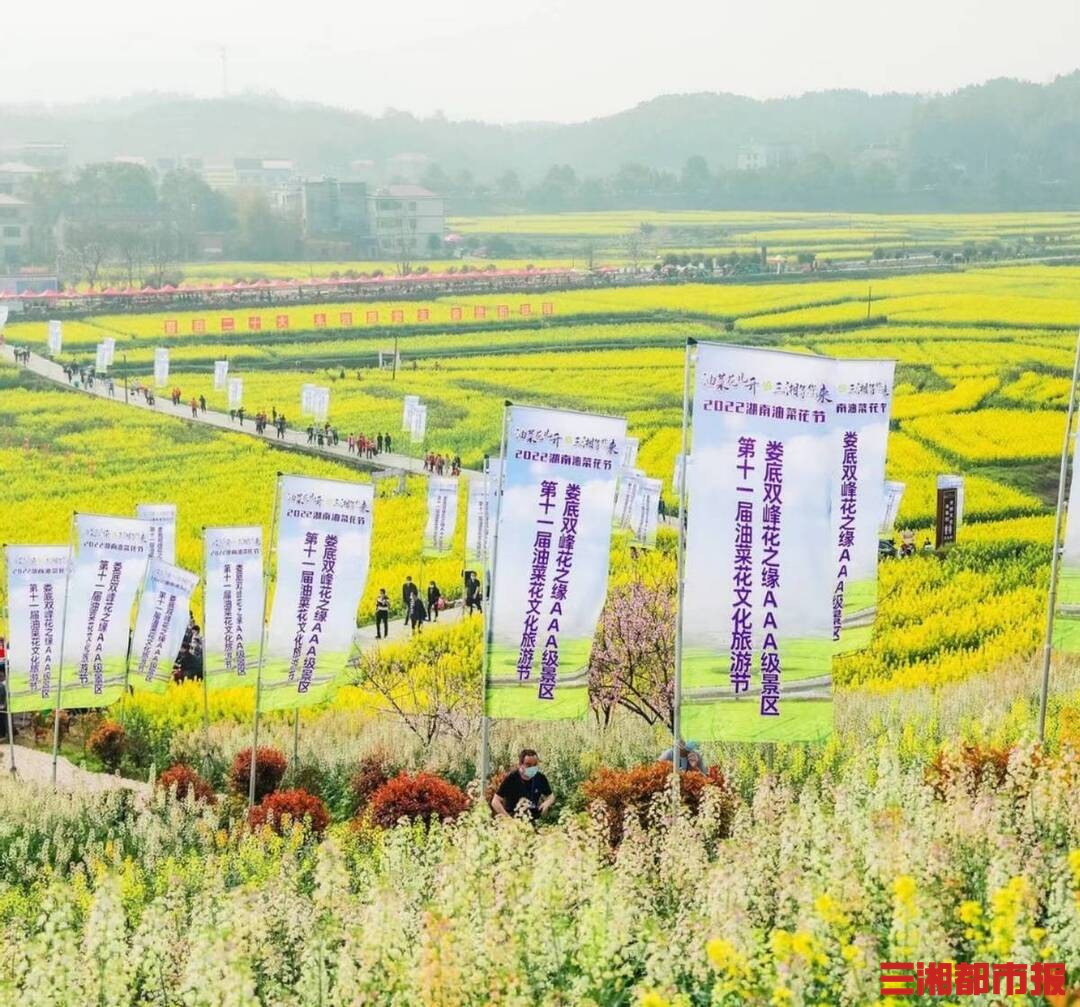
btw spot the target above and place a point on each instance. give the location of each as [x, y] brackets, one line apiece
[437, 464]
[367, 447]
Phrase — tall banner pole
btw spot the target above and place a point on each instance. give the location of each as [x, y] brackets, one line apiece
[262, 643]
[680, 561]
[7, 687]
[489, 609]
[60, 663]
[205, 687]
[1051, 604]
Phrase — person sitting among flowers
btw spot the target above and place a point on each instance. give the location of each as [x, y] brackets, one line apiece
[526, 787]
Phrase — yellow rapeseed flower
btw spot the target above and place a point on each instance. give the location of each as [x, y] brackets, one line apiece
[652, 999]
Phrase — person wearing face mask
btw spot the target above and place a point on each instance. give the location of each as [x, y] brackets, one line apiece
[526, 783]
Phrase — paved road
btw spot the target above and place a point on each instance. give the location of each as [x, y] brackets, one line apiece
[294, 439]
[35, 766]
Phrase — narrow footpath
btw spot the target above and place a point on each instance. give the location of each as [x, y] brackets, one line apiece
[387, 463]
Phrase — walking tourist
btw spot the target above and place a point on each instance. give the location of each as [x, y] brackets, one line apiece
[417, 613]
[408, 592]
[434, 601]
[382, 614]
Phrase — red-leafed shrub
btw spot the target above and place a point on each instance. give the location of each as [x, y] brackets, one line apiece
[972, 765]
[107, 743]
[370, 775]
[184, 780]
[423, 796]
[282, 809]
[620, 791]
[270, 768]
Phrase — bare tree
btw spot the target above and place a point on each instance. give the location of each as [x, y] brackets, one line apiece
[431, 690]
[86, 249]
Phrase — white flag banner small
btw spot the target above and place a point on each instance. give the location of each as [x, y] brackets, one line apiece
[106, 574]
[677, 475]
[162, 518]
[323, 548]
[646, 512]
[37, 578]
[478, 518]
[233, 592]
[441, 516]
[894, 493]
[236, 393]
[409, 403]
[418, 429]
[221, 374]
[161, 367]
[320, 403]
[630, 457]
[306, 394]
[160, 625]
[3, 316]
[56, 337]
[110, 350]
[626, 496]
[101, 359]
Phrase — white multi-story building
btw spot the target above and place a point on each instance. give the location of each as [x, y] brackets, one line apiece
[407, 220]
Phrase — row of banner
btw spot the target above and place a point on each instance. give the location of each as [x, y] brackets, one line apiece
[70, 608]
[321, 319]
[784, 491]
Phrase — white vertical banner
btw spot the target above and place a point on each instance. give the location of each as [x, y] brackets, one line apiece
[236, 393]
[442, 506]
[759, 551]
[36, 578]
[862, 405]
[630, 458]
[380, 360]
[320, 403]
[552, 554]
[233, 593]
[626, 495]
[478, 519]
[3, 316]
[894, 494]
[162, 519]
[646, 513]
[110, 350]
[409, 403]
[677, 474]
[306, 408]
[323, 550]
[161, 367]
[56, 337]
[418, 424]
[160, 625]
[101, 359]
[108, 570]
[221, 374]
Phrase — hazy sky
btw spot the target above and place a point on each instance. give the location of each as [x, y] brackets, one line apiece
[533, 59]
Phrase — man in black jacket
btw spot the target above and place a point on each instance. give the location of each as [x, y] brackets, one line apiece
[408, 592]
[434, 595]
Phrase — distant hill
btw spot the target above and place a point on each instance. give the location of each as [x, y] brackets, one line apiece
[992, 137]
